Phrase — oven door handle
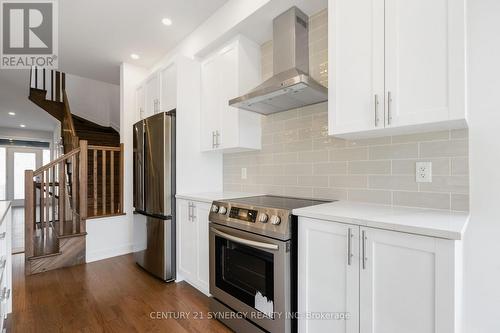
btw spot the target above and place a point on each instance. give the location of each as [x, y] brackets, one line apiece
[243, 241]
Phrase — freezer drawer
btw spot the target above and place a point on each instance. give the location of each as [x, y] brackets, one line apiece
[156, 251]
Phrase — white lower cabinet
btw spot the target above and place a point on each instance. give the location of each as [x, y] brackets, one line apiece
[192, 243]
[327, 282]
[394, 282]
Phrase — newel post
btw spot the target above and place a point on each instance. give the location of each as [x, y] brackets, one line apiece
[29, 213]
[83, 177]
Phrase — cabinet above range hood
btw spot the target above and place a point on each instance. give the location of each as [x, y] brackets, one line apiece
[290, 86]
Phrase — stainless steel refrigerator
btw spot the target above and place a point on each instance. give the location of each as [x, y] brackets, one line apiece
[154, 194]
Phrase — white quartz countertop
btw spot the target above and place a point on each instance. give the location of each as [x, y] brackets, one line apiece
[427, 222]
[211, 196]
[4, 207]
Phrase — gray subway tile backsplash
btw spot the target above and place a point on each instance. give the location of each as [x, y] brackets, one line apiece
[298, 158]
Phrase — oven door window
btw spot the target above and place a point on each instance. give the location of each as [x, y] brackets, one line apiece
[245, 273]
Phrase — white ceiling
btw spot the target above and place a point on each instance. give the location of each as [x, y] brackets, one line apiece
[14, 84]
[96, 35]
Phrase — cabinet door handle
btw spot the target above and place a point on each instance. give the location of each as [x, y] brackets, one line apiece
[213, 139]
[389, 111]
[193, 216]
[190, 216]
[5, 294]
[349, 246]
[217, 137]
[363, 243]
[376, 110]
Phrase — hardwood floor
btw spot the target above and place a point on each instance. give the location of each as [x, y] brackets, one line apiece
[112, 295]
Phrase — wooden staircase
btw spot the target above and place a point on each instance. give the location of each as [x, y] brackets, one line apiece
[85, 182]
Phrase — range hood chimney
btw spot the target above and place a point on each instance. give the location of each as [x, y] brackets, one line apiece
[290, 86]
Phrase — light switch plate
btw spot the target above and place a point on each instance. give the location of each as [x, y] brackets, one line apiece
[243, 173]
[423, 172]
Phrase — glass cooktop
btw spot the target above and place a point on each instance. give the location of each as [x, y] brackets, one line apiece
[278, 202]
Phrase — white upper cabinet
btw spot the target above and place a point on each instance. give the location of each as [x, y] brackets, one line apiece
[168, 88]
[228, 73]
[152, 94]
[356, 65]
[177, 85]
[396, 67]
[140, 99]
[160, 91]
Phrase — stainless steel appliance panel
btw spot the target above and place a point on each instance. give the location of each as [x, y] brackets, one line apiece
[156, 256]
[138, 166]
[154, 194]
[281, 270]
[158, 164]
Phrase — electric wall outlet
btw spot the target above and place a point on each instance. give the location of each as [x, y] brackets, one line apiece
[423, 172]
[243, 173]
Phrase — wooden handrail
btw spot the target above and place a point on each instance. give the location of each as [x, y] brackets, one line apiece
[38, 171]
[67, 114]
[107, 148]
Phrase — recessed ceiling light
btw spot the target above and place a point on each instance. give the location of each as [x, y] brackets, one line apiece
[134, 56]
[166, 21]
[22, 125]
[12, 113]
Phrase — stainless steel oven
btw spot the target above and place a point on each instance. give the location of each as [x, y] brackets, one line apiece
[253, 258]
[248, 273]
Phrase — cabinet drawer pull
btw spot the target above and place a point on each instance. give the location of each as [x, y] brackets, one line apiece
[363, 236]
[217, 139]
[190, 214]
[349, 246]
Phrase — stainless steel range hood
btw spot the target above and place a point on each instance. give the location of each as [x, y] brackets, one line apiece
[291, 86]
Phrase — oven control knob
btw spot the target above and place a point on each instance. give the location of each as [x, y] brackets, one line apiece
[215, 208]
[275, 219]
[263, 218]
[222, 210]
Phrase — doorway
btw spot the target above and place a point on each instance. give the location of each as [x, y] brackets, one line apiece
[14, 160]
[20, 159]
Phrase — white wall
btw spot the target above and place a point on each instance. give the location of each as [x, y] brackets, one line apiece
[482, 243]
[109, 237]
[94, 100]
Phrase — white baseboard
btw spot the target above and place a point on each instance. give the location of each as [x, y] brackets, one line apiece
[108, 253]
